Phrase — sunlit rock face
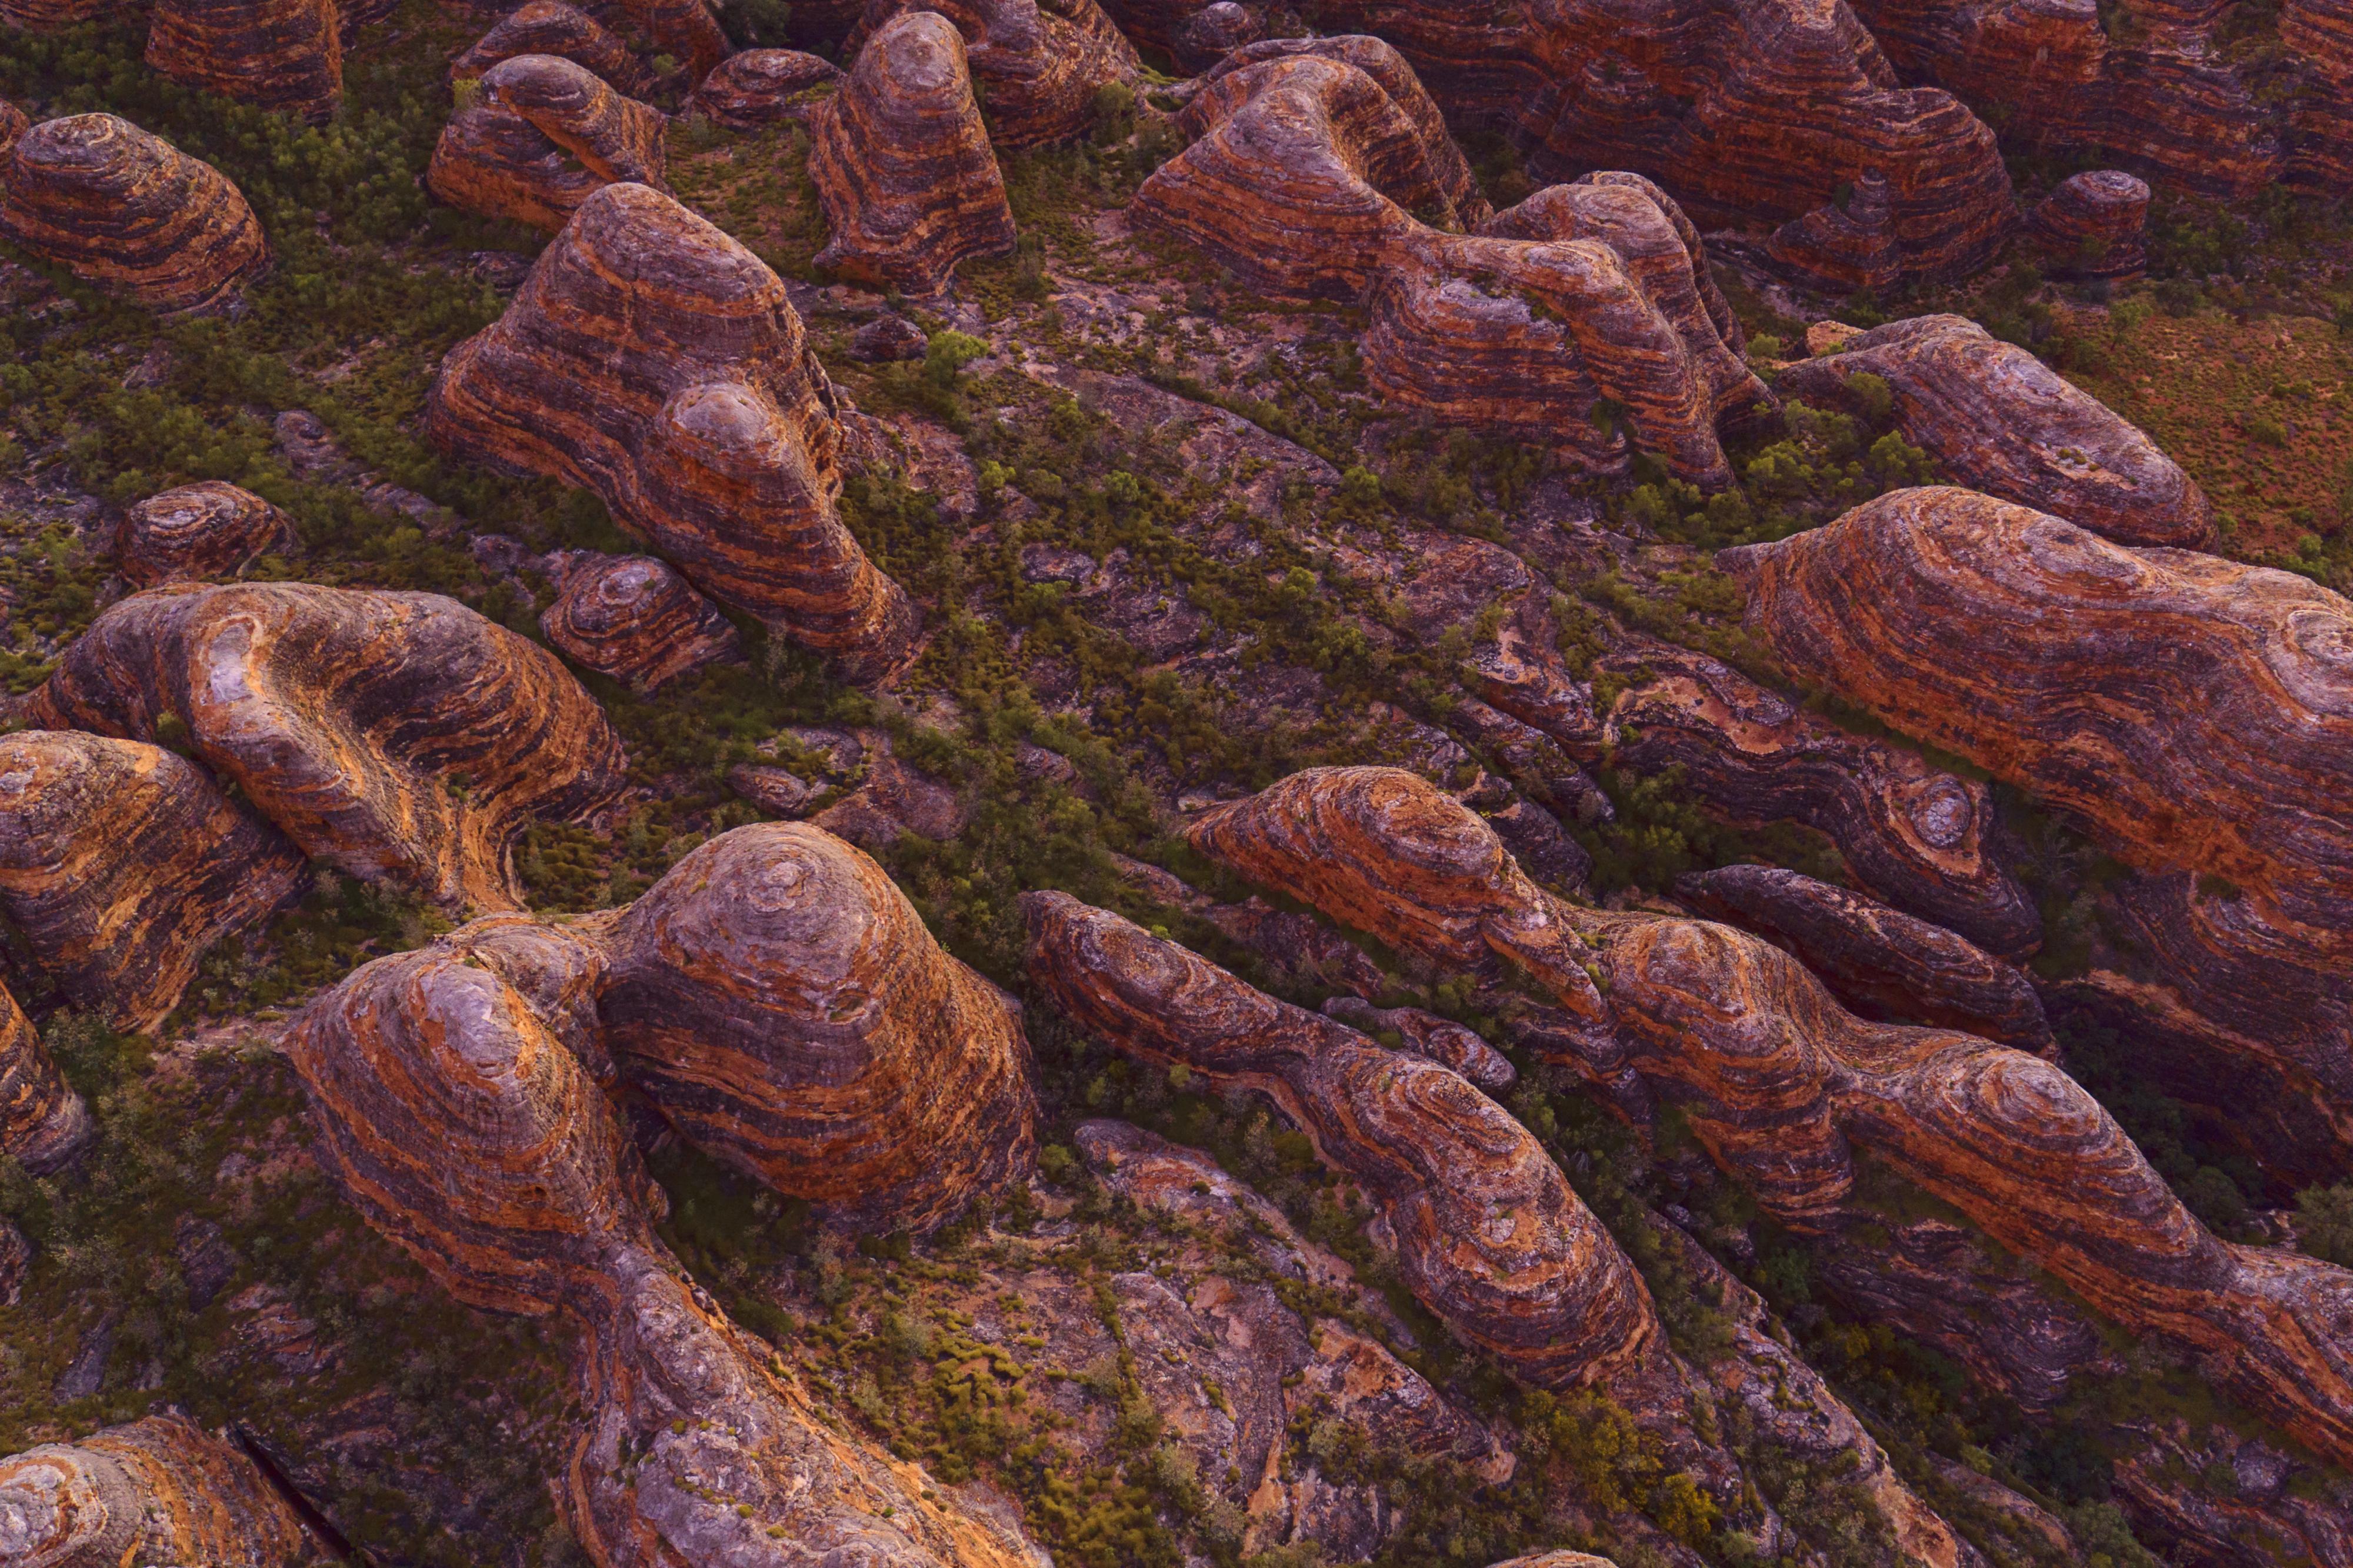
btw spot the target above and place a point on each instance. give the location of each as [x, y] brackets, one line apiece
[542, 136]
[161, 1489]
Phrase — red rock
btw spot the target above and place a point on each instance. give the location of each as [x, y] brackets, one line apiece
[41, 15]
[552, 27]
[285, 54]
[13, 124]
[902, 164]
[1210, 33]
[653, 360]
[1843, 246]
[1450, 1046]
[762, 87]
[43, 1122]
[683, 29]
[130, 213]
[633, 618]
[199, 532]
[1038, 64]
[2320, 148]
[157, 1491]
[1997, 419]
[543, 136]
[2094, 225]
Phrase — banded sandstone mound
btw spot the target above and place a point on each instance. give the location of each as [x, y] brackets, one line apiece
[43, 1122]
[2320, 144]
[1303, 180]
[459, 1124]
[633, 618]
[1997, 419]
[157, 1491]
[656, 362]
[762, 87]
[543, 136]
[1879, 963]
[122, 863]
[902, 164]
[780, 1000]
[394, 735]
[1780, 1084]
[130, 213]
[685, 30]
[43, 14]
[553, 27]
[284, 54]
[2093, 225]
[199, 533]
[1037, 65]
[13, 124]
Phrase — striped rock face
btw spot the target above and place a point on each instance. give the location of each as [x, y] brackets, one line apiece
[634, 618]
[763, 87]
[122, 863]
[199, 533]
[45, 14]
[157, 1491]
[654, 361]
[902, 164]
[2093, 225]
[552, 27]
[392, 735]
[285, 54]
[130, 213]
[43, 1122]
[1039, 66]
[543, 136]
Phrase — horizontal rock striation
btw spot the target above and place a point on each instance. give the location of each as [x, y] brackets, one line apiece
[543, 136]
[1997, 419]
[553, 27]
[283, 55]
[130, 213]
[13, 124]
[1879, 963]
[656, 362]
[122, 863]
[1450, 1046]
[161, 1489]
[902, 164]
[43, 14]
[1038, 66]
[2093, 225]
[43, 1122]
[762, 87]
[2320, 140]
[685, 30]
[396, 735]
[634, 618]
[197, 533]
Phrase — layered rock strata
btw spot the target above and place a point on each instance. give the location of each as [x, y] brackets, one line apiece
[1997, 419]
[553, 27]
[130, 214]
[43, 14]
[2093, 225]
[634, 618]
[543, 136]
[1879, 963]
[13, 124]
[1845, 245]
[1781, 1085]
[1037, 65]
[654, 361]
[161, 1489]
[282, 55]
[762, 87]
[2320, 140]
[122, 863]
[1450, 1046]
[199, 532]
[685, 30]
[902, 164]
[396, 735]
[43, 1122]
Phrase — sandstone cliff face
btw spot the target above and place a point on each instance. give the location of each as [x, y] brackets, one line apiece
[43, 1122]
[160, 1490]
[902, 164]
[122, 863]
[394, 735]
[634, 618]
[761, 87]
[285, 54]
[653, 360]
[130, 213]
[2093, 225]
[1037, 64]
[2320, 144]
[1997, 419]
[198, 533]
[542, 137]
[553, 27]
[48, 14]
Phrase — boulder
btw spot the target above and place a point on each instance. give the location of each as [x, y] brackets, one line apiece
[161, 1489]
[2092, 225]
[634, 618]
[543, 136]
[1038, 64]
[902, 164]
[43, 1122]
[762, 87]
[199, 532]
[130, 213]
[654, 361]
[553, 27]
[1214, 31]
[887, 338]
[121, 864]
[1998, 419]
[392, 735]
[281, 55]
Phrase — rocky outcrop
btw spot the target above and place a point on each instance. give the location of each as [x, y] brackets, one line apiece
[1847, 244]
[780, 1000]
[161, 1489]
[685, 30]
[42, 15]
[282, 55]
[396, 735]
[1303, 181]
[43, 1122]
[13, 124]
[543, 136]
[1037, 65]
[2320, 140]
[902, 164]
[197, 533]
[633, 618]
[122, 863]
[656, 362]
[1997, 419]
[1450, 1046]
[1879, 963]
[1204, 39]
[2092, 225]
[130, 213]
[762, 87]
[553, 27]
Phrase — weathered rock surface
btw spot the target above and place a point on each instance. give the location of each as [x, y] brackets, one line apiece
[761, 87]
[2093, 225]
[1037, 65]
[653, 360]
[543, 136]
[686, 30]
[199, 532]
[780, 1000]
[48, 14]
[1843, 246]
[634, 618]
[283, 55]
[1880, 962]
[120, 863]
[2320, 140]
[130, 213]
[13, 124]
[553, 27]
[1450, 1046]
[1204, 37]
[902, 164]
[395, 735]
[1999, 420]
[159, 1490]
[43, 1122]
